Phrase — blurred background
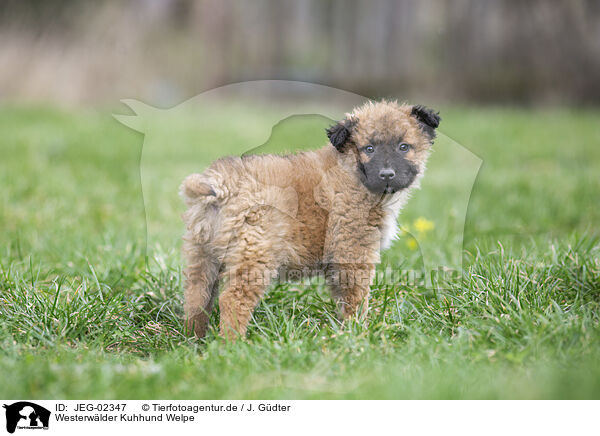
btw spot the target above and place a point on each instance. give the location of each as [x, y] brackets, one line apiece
[78, 52]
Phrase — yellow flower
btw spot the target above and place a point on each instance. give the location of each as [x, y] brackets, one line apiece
[423, 225]
[412, 244]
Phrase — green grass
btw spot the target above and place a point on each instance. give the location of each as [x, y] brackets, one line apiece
[86, 311]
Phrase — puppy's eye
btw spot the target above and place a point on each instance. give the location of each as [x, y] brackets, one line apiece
[404, 147]
[369, 149]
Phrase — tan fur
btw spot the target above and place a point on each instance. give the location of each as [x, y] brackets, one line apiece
[251, 218]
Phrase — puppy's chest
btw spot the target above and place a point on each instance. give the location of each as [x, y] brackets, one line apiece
[389, 224]
[389, 230]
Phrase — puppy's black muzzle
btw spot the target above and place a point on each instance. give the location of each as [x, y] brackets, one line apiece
[387, 174]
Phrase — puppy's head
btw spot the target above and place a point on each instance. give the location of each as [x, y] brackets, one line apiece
[390, 143]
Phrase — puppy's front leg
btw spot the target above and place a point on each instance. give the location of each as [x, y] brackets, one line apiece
[350, 285]
[351, 252]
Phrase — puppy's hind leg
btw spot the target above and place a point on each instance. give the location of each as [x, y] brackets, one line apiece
[201, 287]
[243, 290]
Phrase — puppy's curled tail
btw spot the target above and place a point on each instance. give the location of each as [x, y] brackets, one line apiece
[196, 188]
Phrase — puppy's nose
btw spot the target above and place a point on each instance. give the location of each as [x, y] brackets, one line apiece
[387, 174]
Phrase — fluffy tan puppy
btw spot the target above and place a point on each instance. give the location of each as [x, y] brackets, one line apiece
[254, 219]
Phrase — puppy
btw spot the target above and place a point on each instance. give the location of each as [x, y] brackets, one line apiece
[253, 219]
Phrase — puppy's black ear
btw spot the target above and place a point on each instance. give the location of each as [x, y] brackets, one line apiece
[428, 119]
[339, 134]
